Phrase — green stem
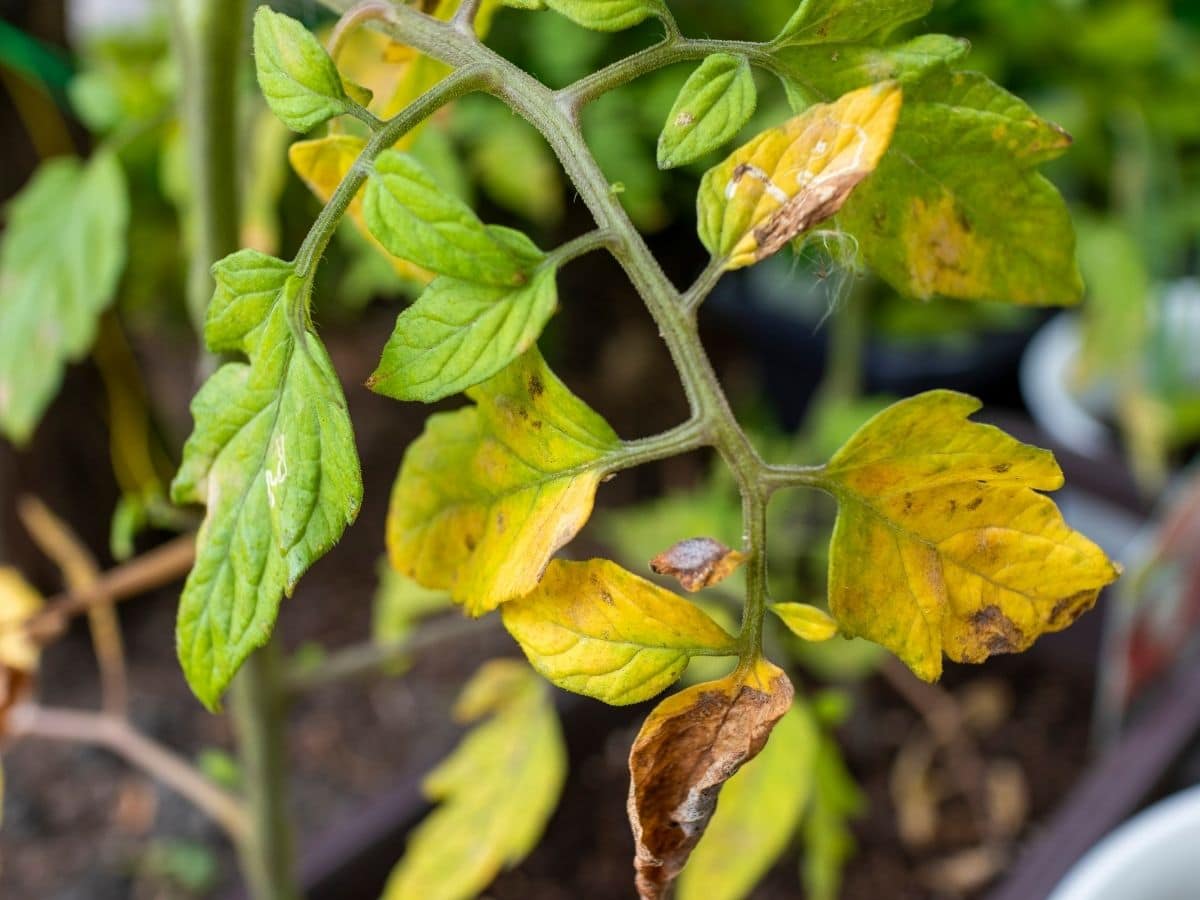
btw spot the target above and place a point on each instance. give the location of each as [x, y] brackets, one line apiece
[257, 701]
[580, 246]
[463, 81]
[554, 115]
[754, 517]
[209, 40]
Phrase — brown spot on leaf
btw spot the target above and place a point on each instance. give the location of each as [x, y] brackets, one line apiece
[1068, 609]
[975, 504]
[1001, 468]
[996, 632]
[687, 749]
[814, 204]
[698, 562]
[536, 388]
[500, 522]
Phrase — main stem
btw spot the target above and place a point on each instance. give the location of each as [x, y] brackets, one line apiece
[210, 36]
[554, 115]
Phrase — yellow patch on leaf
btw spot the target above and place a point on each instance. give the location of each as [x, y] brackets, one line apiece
[488, 494]
[689, 746]
[791, 178]
[943, 543]
[945, 252]
[322, 163]
[596, 629]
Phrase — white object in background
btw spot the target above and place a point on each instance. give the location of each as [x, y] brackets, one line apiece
[88, 19]
[1153, 856]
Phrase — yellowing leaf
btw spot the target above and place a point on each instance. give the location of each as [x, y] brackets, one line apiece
[758, 814]
[807, 622]
[698, 562]
[18, 602]
[322, 164]
[496, 792]
[796, 176]
[687, 749]
[596, 629]
[489, 493]
[942, 542]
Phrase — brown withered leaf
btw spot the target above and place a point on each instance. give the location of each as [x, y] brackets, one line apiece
[687, 749]
[698, 562]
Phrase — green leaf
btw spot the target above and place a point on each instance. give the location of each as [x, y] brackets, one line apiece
[943, 543]
[607, 15]
[957, 207]
[598, 630]
[298, 79]
[418, 220]
[844, 21]
[488, 494]
[61, 258]
[713, 105]
[273, 458]
[459, 333]
[758, 815]
[496, 792]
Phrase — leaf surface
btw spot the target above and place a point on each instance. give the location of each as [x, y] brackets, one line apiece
[844, 21]
[689, 746]
[794, 177]
[298, 79]
[416, 219]
[758, 815]
[61, 257]
[805, 621]
[713, 105]
[598, 630]
[495, 792]
[489, 493]
[459, 333]
[606, 15]
[957, 207]
[943, 543]
[272, 456]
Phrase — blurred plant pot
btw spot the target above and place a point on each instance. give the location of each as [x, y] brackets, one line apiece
[1150, 857]
[785, 314]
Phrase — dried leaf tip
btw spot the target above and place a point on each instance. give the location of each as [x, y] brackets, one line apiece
[698, 562]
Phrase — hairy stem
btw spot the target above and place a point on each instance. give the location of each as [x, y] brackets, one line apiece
[118, 736]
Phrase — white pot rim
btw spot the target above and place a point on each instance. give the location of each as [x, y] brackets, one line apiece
[1135, 854]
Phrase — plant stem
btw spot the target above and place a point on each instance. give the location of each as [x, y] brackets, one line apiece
[554, 115]
[257, 703]
[121, 738]
[209, 40]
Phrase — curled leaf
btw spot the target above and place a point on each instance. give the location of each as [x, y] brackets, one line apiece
[943, 543]
[796, 176]
[687, 749]
[806, 622]
[698, 562]
[596, 629]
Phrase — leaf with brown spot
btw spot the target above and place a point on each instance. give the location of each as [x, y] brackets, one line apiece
[489, 493]
[687, 749]
[943, 543]
[698, 562]
[596, 629]
[791, 178]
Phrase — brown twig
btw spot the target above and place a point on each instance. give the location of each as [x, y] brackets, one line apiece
[119, 736]
[151, 570]
[79, 570]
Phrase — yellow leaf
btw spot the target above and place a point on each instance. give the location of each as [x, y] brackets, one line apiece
[796, 176]
[18, 602]
[496, 791]
[806, 622]
[488, 494]
[596, 629]
[687, 749]
[758, 814]
[322, 164]
[942, 542]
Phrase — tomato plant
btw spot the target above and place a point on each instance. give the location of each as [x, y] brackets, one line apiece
[946, 544]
